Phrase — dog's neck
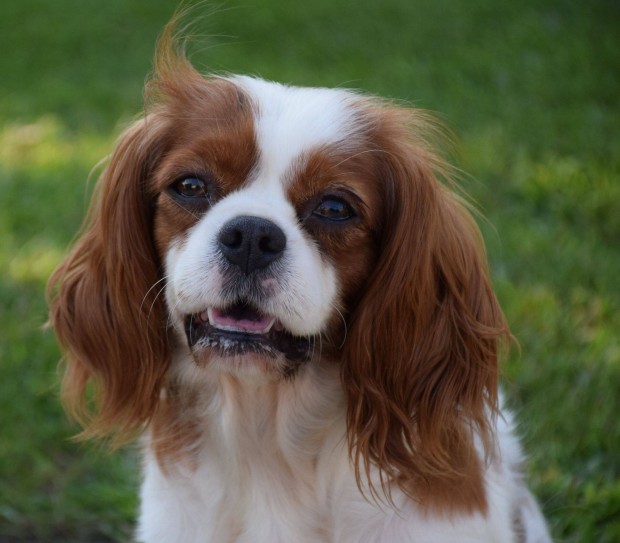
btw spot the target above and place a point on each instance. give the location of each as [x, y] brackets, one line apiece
[287, 416]
[245, 421]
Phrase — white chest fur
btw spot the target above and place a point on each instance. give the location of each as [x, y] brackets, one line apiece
[274, 467]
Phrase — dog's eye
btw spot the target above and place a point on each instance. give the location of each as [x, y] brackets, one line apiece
[334, 209]
[190, 187]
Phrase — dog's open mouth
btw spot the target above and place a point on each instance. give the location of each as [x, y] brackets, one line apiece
[241, 329]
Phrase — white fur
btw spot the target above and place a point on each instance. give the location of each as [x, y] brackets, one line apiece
[273, 465]
[293, 120]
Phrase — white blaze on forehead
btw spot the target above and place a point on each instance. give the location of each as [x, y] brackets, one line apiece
[290, 121]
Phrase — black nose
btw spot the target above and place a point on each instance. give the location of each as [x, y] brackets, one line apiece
[251, 243]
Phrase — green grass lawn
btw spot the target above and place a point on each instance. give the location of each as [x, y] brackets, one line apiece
[531, 88]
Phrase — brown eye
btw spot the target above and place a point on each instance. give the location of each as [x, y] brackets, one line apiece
[191, 187]
[334, 209]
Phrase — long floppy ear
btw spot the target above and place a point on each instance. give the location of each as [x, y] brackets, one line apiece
[103, 298]
[421, 353]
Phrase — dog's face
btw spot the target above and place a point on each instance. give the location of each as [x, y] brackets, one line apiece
[266, 221]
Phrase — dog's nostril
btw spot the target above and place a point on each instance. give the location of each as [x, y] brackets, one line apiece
[251, 243]
[272, 244]
[231, 237]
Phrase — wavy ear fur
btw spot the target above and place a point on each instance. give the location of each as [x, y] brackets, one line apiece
[103, 297]
[421, 353]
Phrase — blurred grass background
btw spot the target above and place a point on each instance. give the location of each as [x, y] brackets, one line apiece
[531, 88]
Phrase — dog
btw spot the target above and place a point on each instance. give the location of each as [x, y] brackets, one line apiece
[280, 289]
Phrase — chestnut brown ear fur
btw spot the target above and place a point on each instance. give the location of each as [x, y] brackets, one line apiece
[103, 298]
[420, 367]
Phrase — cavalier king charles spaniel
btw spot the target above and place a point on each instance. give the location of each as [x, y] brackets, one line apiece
[277, 289]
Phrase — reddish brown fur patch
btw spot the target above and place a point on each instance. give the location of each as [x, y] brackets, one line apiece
[213, 139]
[352, 247]
[420, 361]
[103, 309]
[175, 430]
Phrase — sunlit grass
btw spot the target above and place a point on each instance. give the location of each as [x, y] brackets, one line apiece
[47, 144]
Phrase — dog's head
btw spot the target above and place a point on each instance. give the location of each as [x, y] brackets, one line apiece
[261, 228]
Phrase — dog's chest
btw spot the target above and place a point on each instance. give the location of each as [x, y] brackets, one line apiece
[265, 470]
[261, 498]
[267, 500]
[271, 485]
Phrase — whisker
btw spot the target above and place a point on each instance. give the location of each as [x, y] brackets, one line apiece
[186, 210]
[149, 290]
[320, 345]
[344, 322]
[154, 301]
[171, 311]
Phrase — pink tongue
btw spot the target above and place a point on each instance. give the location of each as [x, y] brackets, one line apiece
[221, 320]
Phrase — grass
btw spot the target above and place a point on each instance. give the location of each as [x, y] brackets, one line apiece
[531, 88]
